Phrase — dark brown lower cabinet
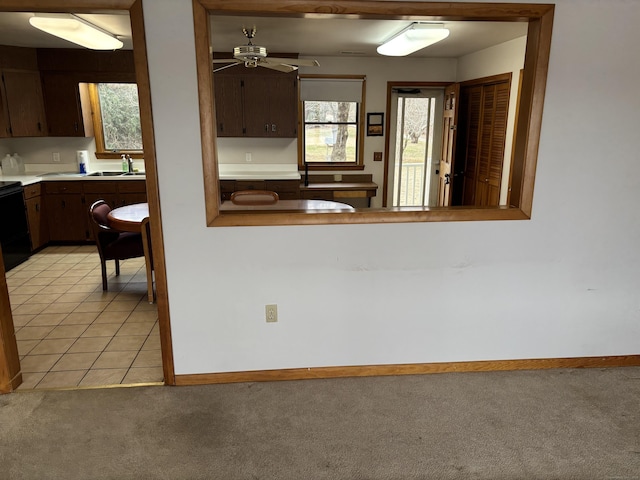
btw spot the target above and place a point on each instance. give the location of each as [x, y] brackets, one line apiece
[36, 217]
[67, 204]
[66, 217]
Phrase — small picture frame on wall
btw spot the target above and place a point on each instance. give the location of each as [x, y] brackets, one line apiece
[375, 124]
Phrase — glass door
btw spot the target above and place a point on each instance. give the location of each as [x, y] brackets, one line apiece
[415, 146]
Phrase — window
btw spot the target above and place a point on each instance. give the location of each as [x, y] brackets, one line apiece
[330, 132]
[539, 19]
[332, 118]
[116, 119]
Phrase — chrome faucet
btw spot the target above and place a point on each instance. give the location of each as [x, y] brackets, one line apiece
[130, 163]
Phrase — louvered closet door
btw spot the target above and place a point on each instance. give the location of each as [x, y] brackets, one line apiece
[486, 108]
[473, 107]
[493, 126]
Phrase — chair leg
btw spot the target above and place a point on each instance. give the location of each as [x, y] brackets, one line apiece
[117, 267]
[103, 266]
[148, 260]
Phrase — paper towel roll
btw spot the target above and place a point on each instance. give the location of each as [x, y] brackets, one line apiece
[83, 160]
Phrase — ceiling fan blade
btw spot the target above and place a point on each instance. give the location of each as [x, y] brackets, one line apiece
[278, 66]
[301, 62]
[225, 60]
[226, 66]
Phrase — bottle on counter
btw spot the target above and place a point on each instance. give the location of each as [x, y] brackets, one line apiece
[125, 164]
[12, 165]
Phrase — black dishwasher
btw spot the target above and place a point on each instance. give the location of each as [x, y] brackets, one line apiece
[14, 229]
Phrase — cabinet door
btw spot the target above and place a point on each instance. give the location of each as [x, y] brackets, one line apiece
[37, 227]
[283, 106]
[131, 198]
[67, 217]
[5, 128]
[256, 106]
[25, 104]
[62, 105]
[131, 191]
[228, 98]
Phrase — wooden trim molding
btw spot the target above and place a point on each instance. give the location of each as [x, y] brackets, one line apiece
[528, 121]
[153, 189]
[10, 374]
[9, 379]
[408, 369]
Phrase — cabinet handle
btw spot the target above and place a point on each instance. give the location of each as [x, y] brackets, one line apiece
[64, 204]
[75, 126]
[37, 207]
[221, 127]
[273, 127]
[266, 127]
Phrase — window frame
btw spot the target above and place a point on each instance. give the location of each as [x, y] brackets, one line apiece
[96, 117]
[528, 121]
[320, 166]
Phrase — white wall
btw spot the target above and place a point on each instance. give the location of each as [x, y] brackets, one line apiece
[507, 57]
[562, 284]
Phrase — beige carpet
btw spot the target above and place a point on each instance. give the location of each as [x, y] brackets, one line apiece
[554, 424]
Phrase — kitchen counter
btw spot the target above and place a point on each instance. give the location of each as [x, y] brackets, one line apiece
[31, 178]
[250, 171]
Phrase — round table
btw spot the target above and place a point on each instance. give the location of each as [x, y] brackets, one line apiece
[129, 217]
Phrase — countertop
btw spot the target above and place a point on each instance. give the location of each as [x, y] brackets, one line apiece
[31, 178]
[257, 171]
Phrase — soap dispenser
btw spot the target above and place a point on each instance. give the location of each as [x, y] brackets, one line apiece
[125, 164]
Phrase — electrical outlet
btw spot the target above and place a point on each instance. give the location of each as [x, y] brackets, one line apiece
[248, 157]
[271, 312]
[56, 157]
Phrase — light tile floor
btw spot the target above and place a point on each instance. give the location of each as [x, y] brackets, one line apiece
[70, 333]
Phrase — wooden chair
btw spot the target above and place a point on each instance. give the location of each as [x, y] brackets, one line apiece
[112, 244]
[254, 197]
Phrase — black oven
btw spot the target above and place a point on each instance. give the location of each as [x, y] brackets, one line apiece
[14, 229]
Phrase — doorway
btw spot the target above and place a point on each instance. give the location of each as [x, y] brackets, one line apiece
[415, 143]
[10, 376]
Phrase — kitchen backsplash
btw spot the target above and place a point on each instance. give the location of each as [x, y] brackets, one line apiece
[37, 154]
[257, 150]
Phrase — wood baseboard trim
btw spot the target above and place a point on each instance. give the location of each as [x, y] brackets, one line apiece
[407, 369]
[12, 384]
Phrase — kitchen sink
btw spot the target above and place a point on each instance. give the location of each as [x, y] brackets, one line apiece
[133, 173]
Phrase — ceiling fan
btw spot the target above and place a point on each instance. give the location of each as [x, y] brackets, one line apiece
[256, 56]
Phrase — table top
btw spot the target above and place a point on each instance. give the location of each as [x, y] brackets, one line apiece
[289, 206]
[128, 218]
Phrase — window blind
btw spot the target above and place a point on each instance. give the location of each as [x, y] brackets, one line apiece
[331, 89]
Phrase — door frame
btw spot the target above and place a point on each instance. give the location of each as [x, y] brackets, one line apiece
[10, 381]
[390, 86]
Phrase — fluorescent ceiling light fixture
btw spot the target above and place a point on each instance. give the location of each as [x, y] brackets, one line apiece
[415, 37]
[75, 30]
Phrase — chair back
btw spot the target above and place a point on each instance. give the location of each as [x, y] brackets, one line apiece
[254, 197]
[102, 233]
[98, 213]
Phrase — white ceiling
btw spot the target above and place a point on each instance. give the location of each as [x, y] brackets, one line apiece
[331, 36]
[306, 36]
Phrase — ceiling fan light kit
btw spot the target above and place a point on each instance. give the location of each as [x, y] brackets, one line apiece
[75, 30]
[416, 36]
